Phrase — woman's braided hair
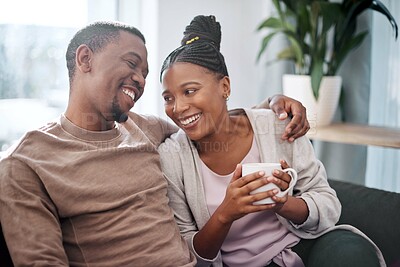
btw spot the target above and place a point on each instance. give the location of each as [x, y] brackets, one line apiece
[200, 45]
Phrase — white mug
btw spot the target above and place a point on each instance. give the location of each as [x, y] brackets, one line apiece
[268, 168]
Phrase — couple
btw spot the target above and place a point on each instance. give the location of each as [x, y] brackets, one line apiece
[88, 189]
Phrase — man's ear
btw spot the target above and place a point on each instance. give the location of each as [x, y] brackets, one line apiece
[83, 58]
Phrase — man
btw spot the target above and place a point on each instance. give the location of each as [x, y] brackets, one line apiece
[87, 190]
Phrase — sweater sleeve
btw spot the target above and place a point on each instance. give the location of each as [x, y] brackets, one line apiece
[155, 128]
[28, 217]
[312, 184]
[172, 166]
[313, 187]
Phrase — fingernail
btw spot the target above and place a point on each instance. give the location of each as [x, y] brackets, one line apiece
[275, 191]
[291, 139]
[276, 172]
[282, 116]
[261, 173]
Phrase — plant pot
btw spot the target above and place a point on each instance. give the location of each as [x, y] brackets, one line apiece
[319, 112]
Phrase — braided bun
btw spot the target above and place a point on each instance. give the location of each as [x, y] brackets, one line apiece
[200, 45]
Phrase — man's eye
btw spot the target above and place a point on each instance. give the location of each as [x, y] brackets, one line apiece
[132, 64]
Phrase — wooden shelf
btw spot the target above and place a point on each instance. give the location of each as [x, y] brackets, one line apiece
[357, 134]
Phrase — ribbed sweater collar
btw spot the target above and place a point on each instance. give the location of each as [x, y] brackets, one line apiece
[87, 135]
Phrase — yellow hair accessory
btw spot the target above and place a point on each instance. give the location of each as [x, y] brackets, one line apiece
[192, 40]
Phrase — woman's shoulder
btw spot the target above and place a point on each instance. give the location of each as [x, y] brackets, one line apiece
[177, 143]
[266, 121]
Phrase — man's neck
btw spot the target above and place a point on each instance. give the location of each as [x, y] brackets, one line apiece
[89, 121]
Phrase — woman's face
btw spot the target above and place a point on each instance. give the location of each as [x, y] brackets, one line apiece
[195, 99]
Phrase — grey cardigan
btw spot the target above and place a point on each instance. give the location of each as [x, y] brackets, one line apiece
[180, 164]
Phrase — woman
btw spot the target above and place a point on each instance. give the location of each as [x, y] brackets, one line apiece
[211, 200]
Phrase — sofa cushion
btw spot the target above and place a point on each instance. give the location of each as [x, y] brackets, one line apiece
[375, 212]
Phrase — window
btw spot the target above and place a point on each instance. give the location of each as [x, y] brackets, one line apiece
[34, 36]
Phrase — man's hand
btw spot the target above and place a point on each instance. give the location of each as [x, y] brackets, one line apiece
[283, 107]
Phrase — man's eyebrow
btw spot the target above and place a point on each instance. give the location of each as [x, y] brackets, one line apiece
[131, 53]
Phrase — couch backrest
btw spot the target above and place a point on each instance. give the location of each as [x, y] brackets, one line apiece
[5, 259]
[374, 212]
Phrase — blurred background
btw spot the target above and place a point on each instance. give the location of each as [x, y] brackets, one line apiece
[34, 82]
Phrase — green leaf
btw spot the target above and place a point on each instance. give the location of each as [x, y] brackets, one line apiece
[298, 52]
[272, 22]
[346, 48]
[265, 43]
[287, 53]
[330, 13]
[378, 6]
[316, 77]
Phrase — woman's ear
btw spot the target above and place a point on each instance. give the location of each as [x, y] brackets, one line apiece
[83, 57]
[226, 86]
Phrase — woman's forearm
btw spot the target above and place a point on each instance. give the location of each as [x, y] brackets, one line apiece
[295, 209]
[208, 241]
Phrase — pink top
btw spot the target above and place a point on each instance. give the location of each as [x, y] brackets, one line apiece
[255, 239]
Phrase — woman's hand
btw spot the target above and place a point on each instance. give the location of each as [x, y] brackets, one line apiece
[238, 201]
[292, 208]
[282, 180]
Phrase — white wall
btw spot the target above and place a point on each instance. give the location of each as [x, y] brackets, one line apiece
[240, 43]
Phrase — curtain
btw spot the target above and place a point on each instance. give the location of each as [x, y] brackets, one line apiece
[383, 169]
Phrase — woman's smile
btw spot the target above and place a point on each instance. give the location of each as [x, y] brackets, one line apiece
[190, 120]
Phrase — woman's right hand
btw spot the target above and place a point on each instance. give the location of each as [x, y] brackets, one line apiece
[238, 201]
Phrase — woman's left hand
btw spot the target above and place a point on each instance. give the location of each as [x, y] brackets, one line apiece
[282, 180]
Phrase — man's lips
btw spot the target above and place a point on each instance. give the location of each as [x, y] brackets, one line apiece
[132, 91]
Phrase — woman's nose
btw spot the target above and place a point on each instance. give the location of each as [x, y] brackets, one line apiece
[180, 105]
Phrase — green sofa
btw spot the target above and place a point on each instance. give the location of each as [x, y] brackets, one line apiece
[375, 212]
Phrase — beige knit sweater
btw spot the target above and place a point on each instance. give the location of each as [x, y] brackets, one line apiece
[71, 197]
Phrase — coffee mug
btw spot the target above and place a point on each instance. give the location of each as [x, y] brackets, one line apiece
[268, 168]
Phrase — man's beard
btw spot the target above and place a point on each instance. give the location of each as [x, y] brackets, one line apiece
[117, 113]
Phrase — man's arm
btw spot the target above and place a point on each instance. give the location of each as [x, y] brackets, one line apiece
[29, 220]
[283, 107]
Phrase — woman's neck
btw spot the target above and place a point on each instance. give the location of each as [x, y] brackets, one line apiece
[223, 150]
[229, 132]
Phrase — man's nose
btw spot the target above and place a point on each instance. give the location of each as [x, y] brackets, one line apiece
[139, 78]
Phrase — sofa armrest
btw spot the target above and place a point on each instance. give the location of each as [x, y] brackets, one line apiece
[375, 212]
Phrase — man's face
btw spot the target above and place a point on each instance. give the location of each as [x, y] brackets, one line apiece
[117, 78]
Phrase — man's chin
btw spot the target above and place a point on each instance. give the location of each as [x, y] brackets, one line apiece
[122, 118]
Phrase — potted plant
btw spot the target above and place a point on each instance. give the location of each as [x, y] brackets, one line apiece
[320, 36]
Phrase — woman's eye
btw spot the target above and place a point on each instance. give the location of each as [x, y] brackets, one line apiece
[167, 98]
[189, 91]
